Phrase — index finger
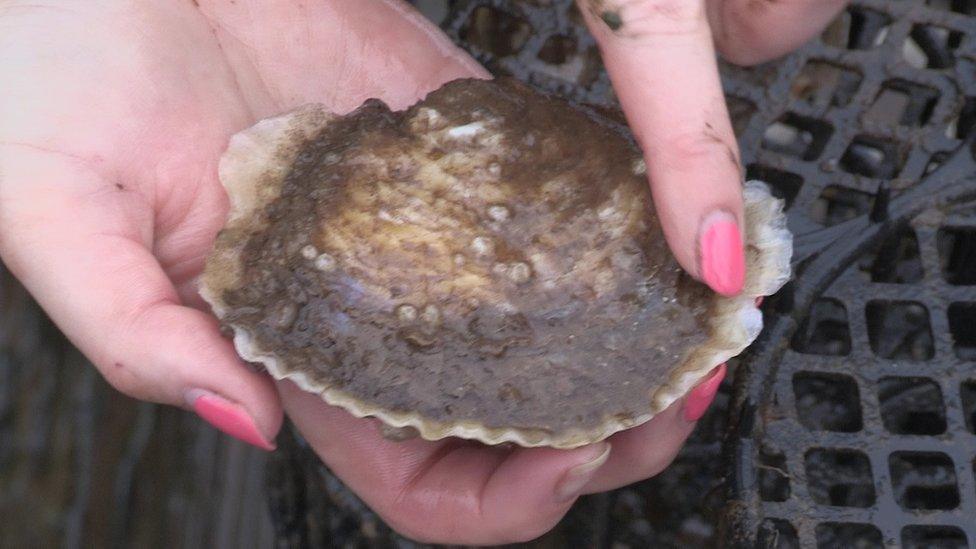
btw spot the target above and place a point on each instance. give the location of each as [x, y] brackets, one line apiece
[661, 59]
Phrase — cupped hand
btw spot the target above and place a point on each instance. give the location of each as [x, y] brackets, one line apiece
[113, 116]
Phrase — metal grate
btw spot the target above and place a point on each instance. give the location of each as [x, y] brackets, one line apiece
[853, 419]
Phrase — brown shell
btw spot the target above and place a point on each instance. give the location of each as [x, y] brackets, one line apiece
[486, 264]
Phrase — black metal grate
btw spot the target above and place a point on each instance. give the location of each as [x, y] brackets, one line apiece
[868, 410]
[853, 419]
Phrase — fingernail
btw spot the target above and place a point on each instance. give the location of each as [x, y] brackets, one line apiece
[574, 480]
[701, 397]
[228, 417]
[722, 259]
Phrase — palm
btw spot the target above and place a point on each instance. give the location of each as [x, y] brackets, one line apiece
[146, 98]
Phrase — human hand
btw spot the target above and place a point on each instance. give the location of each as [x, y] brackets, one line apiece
[112, 119]
[113, 116]
[660, 55]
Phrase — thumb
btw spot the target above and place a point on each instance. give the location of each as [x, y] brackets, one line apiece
[76, 242]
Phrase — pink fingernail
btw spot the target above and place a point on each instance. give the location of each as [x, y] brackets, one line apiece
[701, 397]
[228, 417]
[722, 259]
[576, 479]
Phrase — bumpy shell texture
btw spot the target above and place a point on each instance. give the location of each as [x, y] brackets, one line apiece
[486, 264]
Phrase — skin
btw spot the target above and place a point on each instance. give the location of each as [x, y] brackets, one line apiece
[113, 116]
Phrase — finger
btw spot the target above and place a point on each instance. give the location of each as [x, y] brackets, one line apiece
[646, 450]
[72, 238]
[333, 52]
[449, 491]
[749, 31]
[754, 31]
[660, 57]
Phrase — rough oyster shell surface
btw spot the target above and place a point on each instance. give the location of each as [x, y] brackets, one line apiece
[486, 264]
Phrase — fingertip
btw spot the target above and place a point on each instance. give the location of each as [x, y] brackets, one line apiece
[701, 397]
[643, 451]
[560, 473]
[208, 361]
[575, 479]
[533, 488]
[229, 417]
[721, 256]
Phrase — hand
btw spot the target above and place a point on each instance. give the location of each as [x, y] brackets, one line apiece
[113, 116]
[112, 119]
[660, 55]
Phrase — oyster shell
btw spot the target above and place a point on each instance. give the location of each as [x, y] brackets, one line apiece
[486, 264]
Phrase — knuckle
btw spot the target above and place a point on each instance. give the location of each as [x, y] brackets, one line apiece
[690, 151]
[479, 530]
[663, 17]
[672, 10]
[512, 527]
[659, 463]
[414, 521]
[739, 53]
[123, 379]
[422, 530]
[528, 530]
[414, 532]
[655, 468]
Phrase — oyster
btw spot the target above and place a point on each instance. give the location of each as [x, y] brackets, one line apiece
[486, 264]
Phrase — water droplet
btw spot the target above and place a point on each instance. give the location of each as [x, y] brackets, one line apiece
[519, 272]
[499, 212]
[309, 252]
[418, 339]
[612, 341]
[284, 315]
[509, 392]
[639, 167]
[483, 246]
[466, 131]
[606, 213]
[427, 119]
[406, 313]
[459, 260]
[325, 262]
[431, 315]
